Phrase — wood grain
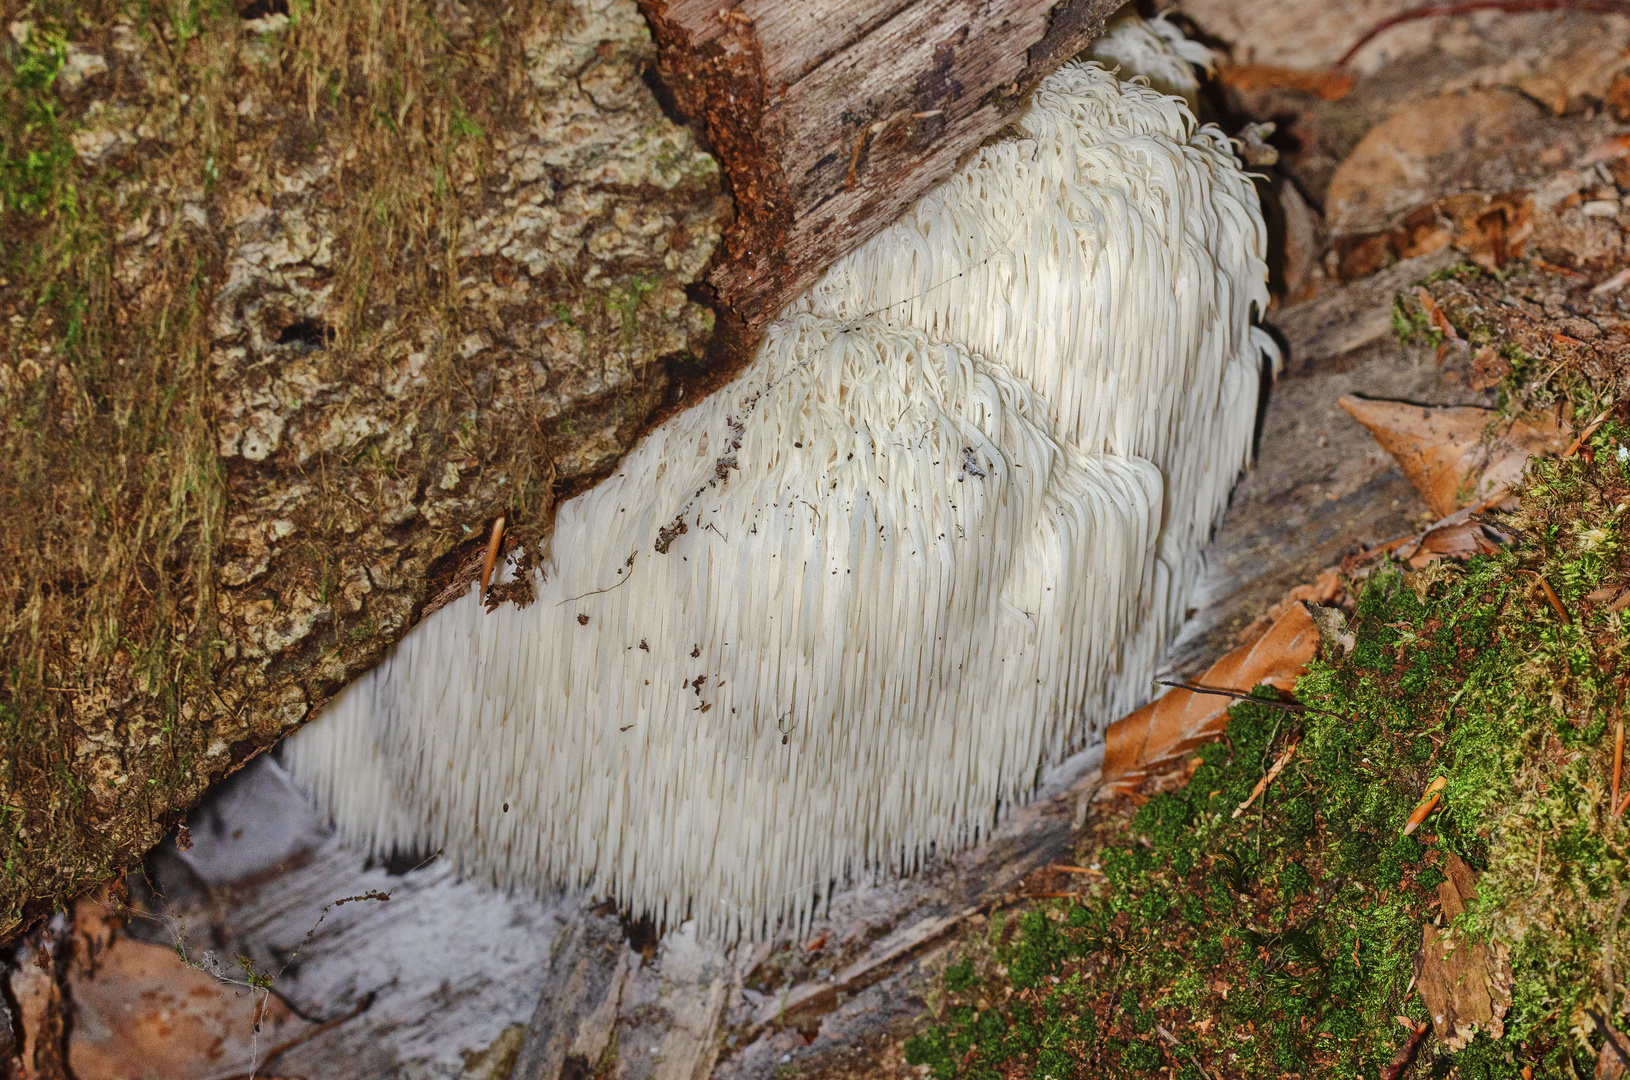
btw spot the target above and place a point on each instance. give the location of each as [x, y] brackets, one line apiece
[831, 118]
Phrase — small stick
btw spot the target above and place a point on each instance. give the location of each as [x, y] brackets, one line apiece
[1076, 869]
[1618, 811]
[1429, 799]
[1406, 1053]
[492, 554]
[1556, 601]
[1288, 706]
[1172, 1039]
[1618, 752]
[1267, 778]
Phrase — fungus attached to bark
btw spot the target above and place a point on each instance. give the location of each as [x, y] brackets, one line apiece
[848, 605]
[1112, 256]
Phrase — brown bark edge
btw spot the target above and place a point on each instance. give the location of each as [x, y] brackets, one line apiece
[831, 118]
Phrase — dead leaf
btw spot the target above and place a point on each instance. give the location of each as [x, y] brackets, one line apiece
[41, 1013]
[1442, 449]
[1178, 721]
[1325, 85]
[1465, 985]
[1488, 368]
[1434, 314]
[1325, 589]
[1617, 97]
[142, 1013]
[1454, 540]
[1612, 1061]
[1431, 149]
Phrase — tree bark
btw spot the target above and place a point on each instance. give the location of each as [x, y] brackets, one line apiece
[831, 118]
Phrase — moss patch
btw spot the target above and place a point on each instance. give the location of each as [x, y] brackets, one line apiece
[279, 337]
[1283, 942]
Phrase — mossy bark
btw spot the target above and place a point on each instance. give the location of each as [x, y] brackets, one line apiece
[295, 305]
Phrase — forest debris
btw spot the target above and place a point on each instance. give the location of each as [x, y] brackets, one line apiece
[1274, 770]
[1465, 985]
[1554, 599]
[1406, 1053]
[1429, 799]
[1324, 85]
[1165, 729]
[1435, 316]
[144, 1013]
[1615, 1056]
[1431, 149]
[492, 554]
[1618, 758]
[41, 1013]
[821, 997]
[1443, 452]
[1324, 590]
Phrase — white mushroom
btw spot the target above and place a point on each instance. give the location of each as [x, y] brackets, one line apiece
[1155, 50]
[826, 619]
[830, 618]
[1112, 256]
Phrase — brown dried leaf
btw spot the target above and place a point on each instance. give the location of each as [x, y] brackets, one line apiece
[1434, 314]
[1325, 85]
[1465, 985]
[1442, 449]
[1165, 729]
[1611, 1062]
[142, 1013]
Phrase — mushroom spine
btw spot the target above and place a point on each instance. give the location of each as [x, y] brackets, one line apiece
[931, 538]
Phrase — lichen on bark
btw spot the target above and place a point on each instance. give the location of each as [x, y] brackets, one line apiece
[294, 306]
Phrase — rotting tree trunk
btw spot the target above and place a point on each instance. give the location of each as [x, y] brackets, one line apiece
[831, 118]
[295, 307]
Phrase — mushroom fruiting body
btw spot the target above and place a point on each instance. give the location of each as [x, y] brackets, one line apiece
[841, 609]
[1157, 51]
[831, 617]
[1111, 256]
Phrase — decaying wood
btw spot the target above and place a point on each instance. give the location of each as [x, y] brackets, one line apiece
[829, 119]
[588, 966]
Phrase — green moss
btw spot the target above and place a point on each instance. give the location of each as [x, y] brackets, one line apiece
[1283, 941]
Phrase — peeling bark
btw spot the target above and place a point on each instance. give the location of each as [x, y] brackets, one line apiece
[830, 119]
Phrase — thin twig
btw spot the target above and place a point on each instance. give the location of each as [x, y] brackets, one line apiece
[1169, 1037]
[597, 592]
[1618, 751]
[1288, 706]
[1466, 7]
[1267, 777]
[306, 1036]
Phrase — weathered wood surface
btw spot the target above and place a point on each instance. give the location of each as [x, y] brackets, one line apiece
[830, 118]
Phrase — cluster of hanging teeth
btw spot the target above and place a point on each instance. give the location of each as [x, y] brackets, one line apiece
[829, 619]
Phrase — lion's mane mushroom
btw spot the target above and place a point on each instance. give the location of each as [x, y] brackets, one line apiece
[1157, 51]
[826, 619]
[830, 617]
[1113, 256]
